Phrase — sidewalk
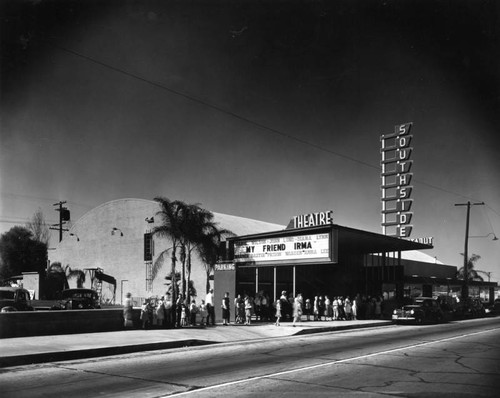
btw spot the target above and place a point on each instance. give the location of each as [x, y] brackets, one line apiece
[39, 349]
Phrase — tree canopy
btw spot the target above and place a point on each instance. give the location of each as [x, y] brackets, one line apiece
[189, 228]
[21, 252]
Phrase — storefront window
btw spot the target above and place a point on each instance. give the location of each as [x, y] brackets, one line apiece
[412, 290]
[284, 280]
[246, 281]
[266, 280]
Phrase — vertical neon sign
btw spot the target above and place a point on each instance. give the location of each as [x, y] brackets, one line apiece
[396, 179]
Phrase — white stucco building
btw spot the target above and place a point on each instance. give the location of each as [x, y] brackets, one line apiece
[111, 237]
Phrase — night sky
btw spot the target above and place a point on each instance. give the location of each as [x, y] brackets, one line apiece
[259, 109]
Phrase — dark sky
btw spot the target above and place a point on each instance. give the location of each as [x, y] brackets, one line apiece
[261, 109]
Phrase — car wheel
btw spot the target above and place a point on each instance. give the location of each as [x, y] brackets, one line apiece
[419, 320]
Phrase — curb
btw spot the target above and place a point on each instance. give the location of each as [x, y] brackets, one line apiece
[20, 360]
[32, 359]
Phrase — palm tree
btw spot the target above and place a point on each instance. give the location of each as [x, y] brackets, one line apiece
[190, 228]
[171, 214]
[210, 252]
[75, 273]
[472, 274]
[200, 228]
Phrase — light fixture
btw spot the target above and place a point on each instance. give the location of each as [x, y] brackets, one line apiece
[75, 235]
[116, 229]
[150, 220]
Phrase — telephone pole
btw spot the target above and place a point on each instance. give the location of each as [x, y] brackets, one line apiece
[64, 216]
[465, 287]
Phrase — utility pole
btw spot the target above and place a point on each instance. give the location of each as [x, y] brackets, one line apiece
[465, 287]
[64, 215]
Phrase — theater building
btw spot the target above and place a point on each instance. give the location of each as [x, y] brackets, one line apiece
[311, 255]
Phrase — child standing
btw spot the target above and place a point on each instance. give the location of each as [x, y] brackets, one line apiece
[183, 315]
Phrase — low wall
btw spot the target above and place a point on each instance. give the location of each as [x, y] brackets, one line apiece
[43, 323]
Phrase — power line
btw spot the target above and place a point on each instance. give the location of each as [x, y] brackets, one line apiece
[239, 117]
[36, 198]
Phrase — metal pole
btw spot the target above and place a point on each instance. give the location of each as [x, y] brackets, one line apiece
[465, 288]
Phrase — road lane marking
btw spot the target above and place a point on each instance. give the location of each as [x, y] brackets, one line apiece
[284, 372]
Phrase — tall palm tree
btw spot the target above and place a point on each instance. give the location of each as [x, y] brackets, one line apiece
[472, 274]
[210, 252]
[199, 228]
[171, 214]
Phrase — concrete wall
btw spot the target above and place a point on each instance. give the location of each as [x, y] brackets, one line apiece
[43, 323]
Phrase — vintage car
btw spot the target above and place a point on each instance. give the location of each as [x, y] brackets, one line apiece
[78, 299]
[423, 310]
[493, 309]
[471, 307]
[14, 299]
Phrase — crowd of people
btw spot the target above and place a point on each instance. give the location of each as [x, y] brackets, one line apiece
[162, 312]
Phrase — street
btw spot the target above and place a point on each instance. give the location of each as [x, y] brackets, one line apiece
[454, 359]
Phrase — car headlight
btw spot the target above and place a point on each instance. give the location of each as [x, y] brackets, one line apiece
[412, 312]
[395, 312]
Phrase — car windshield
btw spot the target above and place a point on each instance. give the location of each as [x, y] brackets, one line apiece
[6, 295]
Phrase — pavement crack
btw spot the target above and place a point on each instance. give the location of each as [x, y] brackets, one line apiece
[128, 377]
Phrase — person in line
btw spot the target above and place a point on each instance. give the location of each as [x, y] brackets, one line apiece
[321, 308]
[328, 309]
[335, 306]
[297, 309]
[316, 308]
[169, 318]
[203, 313]
[209, 301]
[237, 304]
[146, 314]
[278, 312]
[128, 312]
[307, 309]
[193, 310]
[225, 310]
[284, 306]
[183, 320]
[179, 306]
[160, 312]
[348, 308]
[248, 310]
[355, 308]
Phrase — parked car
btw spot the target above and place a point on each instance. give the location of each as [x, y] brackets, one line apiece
[78, 299]
[470, 308]
[423, 310]
[493, 309]
[14, 299]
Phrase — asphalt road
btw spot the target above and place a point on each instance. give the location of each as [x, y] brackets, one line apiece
[458, 359]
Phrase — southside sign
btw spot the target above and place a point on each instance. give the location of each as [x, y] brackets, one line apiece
[396, 180]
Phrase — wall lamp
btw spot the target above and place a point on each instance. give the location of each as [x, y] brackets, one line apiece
[150, 220]
[76, 236]
[116, 229]
[485, 236]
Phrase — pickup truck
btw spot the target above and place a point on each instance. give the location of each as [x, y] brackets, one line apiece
[14, 299]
